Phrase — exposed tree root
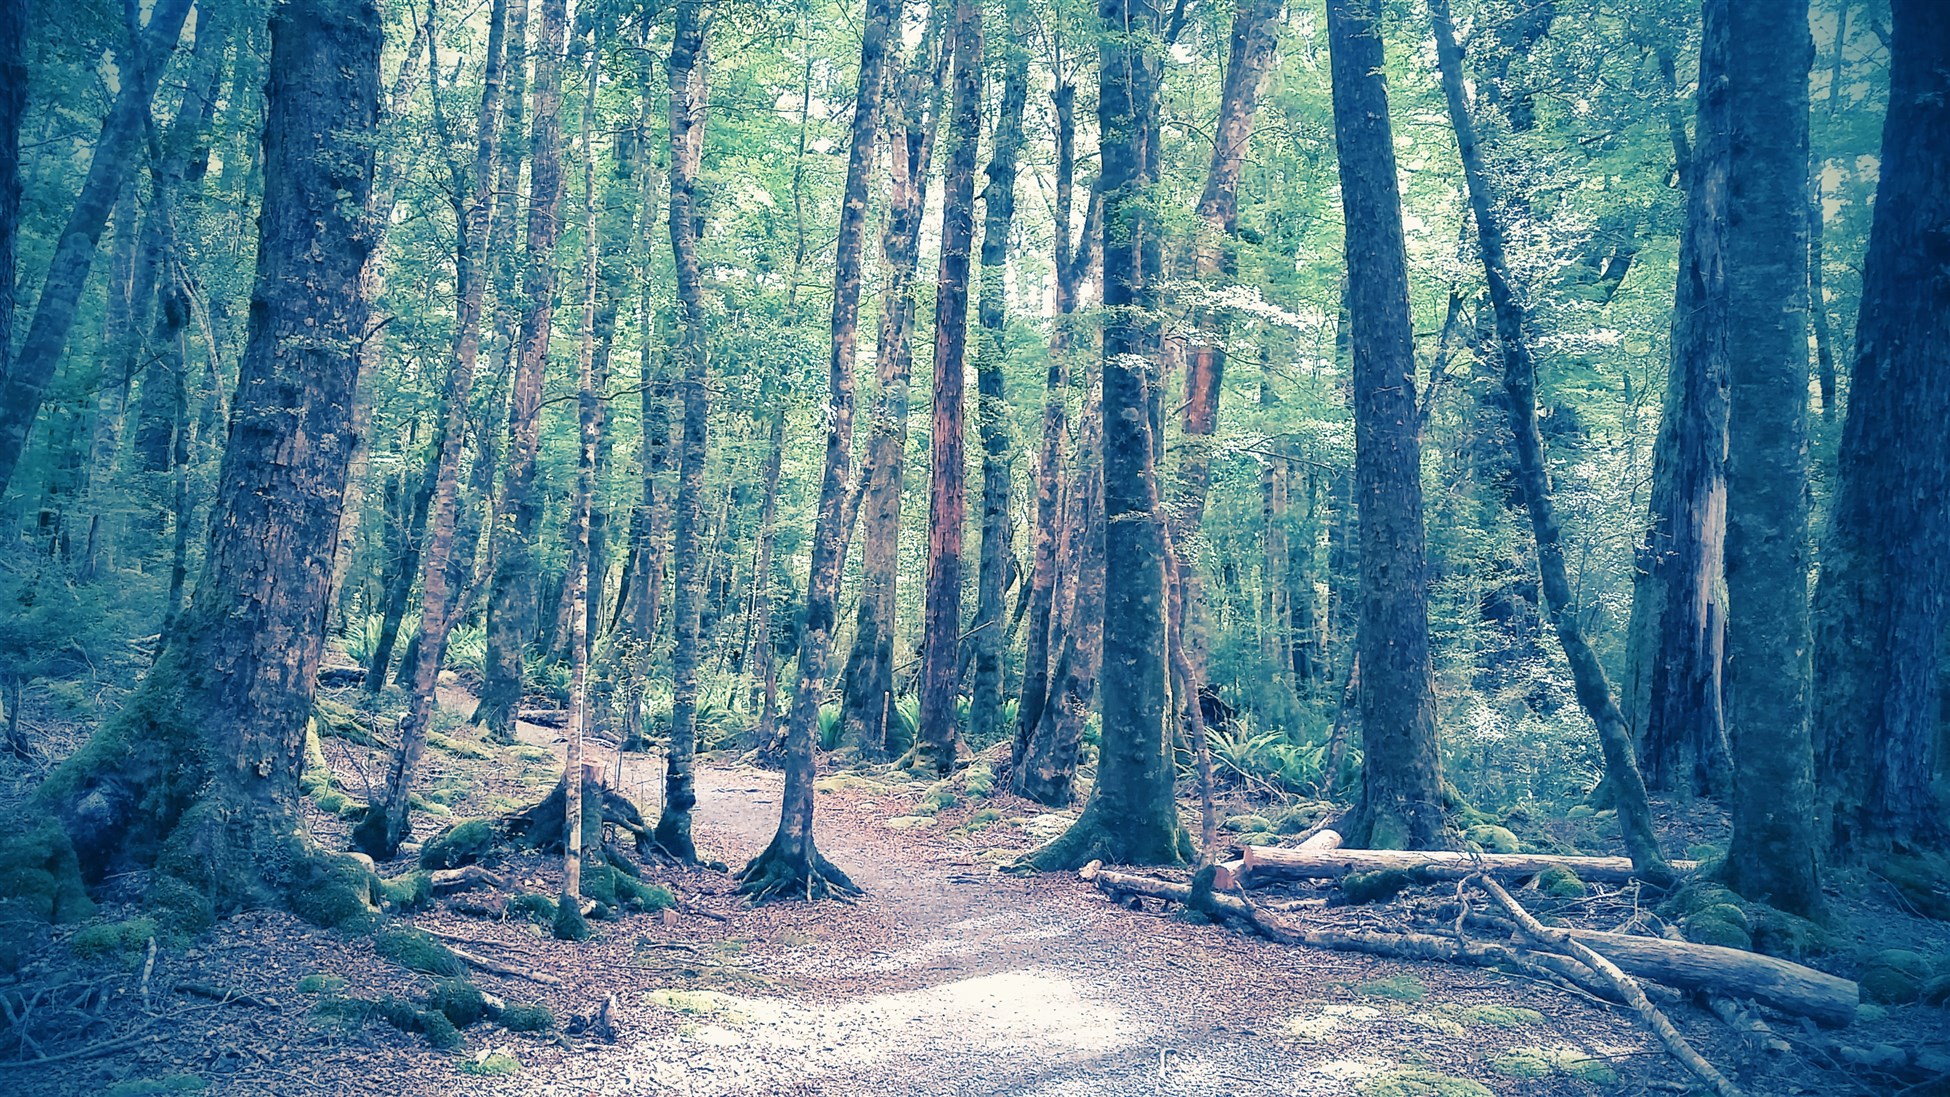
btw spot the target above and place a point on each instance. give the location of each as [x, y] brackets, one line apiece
[794, 869]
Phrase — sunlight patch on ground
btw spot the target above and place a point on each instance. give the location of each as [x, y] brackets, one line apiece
[734, 1043]
[1330, 1019]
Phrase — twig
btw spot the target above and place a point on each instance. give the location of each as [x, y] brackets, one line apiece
[86, 1051]
[148, 968]
[225, 997]
[495, 967]
[1627, 988]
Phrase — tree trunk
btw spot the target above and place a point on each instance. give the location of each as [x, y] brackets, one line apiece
[1683, 744]
[405, 570]
[913, 118]
[13, 104]
[1401, 775]
[26, 378]
[1771, 855]
[511, 609]
[198, 775]
[1880, 607]
[688, 97]
[387, 821]
[939, 734]
[791, 865]
[1132, 816]
[992, 411]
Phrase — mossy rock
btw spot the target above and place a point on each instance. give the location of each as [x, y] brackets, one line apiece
[397, 1012]
[1710, 928]
[1696, 895]
[156, 1087]
[1936, 992]
[417, 951]
[527, 1017]
[464, 843]
[1533, 1063]
[40, 885]
[1302, 816]
[331, 889]
[1241, 824]
[1581, 811]
[979, 780]
[319, 984]
[120, 943]
[612, 886]
[1923, 879]
[539, 909]
[1788, 936]
[1559, 882]
[410, 891]
[1419, 1082]
[569, 924]
[980, 820]
[492, 1065]
[1380, 885]
[461, 1001]
[1895, 976]
[1402, 988]
[1488, 838]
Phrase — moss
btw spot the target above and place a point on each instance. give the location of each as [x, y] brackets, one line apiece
[939, 798]
[1532, 1063]
[1560, 883]
[1778, 933]
[1488, 838]
[1936, 992]
[1581, 811]
[1493, 1016]
[459, 747]
[461, 844]
[410, 891]
[461, 1001]
[40, 884]
[415, 950]
[1418, 1082]
[569, 924]
[1402, 988]
[319, 984]
[980, 820]
[1380, 885]
[527, 1017]
[696, 1003]
[1711, 928]
[979, 780]
[155, 1087]
[1240, 824]
[397, 1012]
[115, 942]
[494, 1065]
[330, 889]
[332, 802]
[1923, 879]
[539, 909]
[1895, 976]
[1301, 816]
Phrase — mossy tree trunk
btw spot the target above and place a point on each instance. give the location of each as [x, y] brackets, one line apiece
[198, 775]
[791, 867]
[1401, 778]
[1132, 815]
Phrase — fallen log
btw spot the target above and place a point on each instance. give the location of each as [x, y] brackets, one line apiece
[460, 879]
[1230, 875]
[1781, 984]
[1276, 863]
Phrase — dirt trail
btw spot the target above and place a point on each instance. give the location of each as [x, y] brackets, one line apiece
[950, 979]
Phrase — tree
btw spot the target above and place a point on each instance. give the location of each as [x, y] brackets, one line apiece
[689, 94]
[13, 103]
[791, 865]
[1401, 777]
[1880, 605]
[517, 513]
[992, 401]
[197, 776]
[1131, 817]
[947, 466]
[1771, 855]
[387, 820]
[1680, 610]
[27, 373]
[1593, 687]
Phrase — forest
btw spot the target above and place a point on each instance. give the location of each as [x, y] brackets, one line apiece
[1370, 548]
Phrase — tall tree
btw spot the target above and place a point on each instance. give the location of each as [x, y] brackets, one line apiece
[26, 376]
[689, 93]
[913, 117]
[1881, 602]
[1132, 817]
[1680, 611]
[947, 466]
[791, 865]
[387, 820]
[13, 104]
[1401, 776]
[511, 608]
[992, 411]
[198, 775]
[1771, 854]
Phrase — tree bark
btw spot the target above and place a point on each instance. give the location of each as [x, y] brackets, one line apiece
[992, 412]
[1132, 816]
[689, 94]
[198, 775]
[1885, 566]
[1682, 738]
[1401, 775]
[387, 822]
[1593, 688]
[1771, 854]
[791, 865]
[511, 608]
[27, 375]
[939, 734]
[13, 105]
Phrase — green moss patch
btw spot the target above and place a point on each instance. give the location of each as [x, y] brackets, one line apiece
[493, 1065]
[1417, 1082]
[397, 1012]
[1381, 885]
[410, 891]
[527, 1017]
[1895, 976]
[464, 843]
[1533, 1063]
[1402, 988]
[121, 943]
[319, 984]
[1560, 883]
[461, 1001]
[1489, 838]
[40, 884]
[417, 951]
[697, 1003]
[537, 908]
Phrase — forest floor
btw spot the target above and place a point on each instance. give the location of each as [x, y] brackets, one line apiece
[946, 978]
